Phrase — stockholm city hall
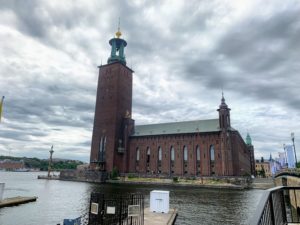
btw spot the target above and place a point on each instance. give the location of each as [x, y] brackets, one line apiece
[189, 148]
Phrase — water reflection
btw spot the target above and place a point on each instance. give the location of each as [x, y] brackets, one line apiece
[60, 199]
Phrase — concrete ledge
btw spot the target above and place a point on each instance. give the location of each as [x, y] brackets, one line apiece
[16, 201]
[152, 218]
[219, 186]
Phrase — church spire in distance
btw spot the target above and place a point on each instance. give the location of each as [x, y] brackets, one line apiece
[117, 48]
[223, 103]
[224, 114]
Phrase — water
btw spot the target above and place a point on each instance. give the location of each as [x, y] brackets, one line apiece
[58, 200]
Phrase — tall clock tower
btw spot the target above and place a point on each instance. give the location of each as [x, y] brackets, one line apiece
[112, 121]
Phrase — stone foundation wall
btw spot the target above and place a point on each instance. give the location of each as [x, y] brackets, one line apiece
[83, 175]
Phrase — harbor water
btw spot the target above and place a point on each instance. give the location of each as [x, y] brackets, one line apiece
[58, 200]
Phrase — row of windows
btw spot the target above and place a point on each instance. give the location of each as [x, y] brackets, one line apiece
[172, 153]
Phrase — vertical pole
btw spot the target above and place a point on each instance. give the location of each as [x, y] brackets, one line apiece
[102, 221]
[1, 107]
[293, 139]
[272, 209]
[283, 206]
[131, 204]
[120, 212]
[296, 206]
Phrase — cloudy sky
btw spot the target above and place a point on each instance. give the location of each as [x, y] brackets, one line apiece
[183, 54]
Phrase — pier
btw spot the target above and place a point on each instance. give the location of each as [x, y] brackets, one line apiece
[152, 218]
[16, 201]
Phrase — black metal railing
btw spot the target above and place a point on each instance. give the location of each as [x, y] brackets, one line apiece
[116, 209]
[278, 206]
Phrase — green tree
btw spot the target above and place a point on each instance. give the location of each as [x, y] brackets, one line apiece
[262, 172]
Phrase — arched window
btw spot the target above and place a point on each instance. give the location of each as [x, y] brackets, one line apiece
[185, 153]
[172, 154]
[137, 154]
[101, 145]
[198, 153]
[148, 154]
[159, 153]
[212, 153]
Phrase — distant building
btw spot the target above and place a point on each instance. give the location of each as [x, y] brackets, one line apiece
[275, 166]
[251, 151]
[11, 165]
[263, 169]
[188, 148]
[290, 156]
[282, 159]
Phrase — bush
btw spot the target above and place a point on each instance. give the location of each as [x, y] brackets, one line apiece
[175, 179]
[114, 173]
[131, 175]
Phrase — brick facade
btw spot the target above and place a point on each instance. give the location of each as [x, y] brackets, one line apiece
[227, 162]
[11, 165]
[113, 105]
[218, 152]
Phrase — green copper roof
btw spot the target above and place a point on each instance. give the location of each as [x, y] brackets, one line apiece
[248, 139]
[197, 126]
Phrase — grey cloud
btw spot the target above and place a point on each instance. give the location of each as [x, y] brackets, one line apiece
[273, 37]
[255, 58]
[261, 52]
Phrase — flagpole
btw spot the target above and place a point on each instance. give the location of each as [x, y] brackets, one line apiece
[1, 106]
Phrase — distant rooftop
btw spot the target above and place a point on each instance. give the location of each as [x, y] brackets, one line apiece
[196, 126]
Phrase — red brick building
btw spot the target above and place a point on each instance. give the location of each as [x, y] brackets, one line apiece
[11, 165]
[191, 148]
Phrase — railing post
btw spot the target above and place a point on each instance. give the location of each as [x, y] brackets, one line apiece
[272, 209]
[120, 212]
[284, 216]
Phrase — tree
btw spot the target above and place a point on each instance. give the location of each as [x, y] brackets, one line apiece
[262, 172]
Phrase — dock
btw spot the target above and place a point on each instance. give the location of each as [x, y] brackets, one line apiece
[52, 177]
[16, 201]
[152, 218]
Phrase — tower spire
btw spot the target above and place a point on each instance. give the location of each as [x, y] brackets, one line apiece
[224, 114]
[118, 33]
[248, 139]
[223, 99]
[223, 103]
[117, 48]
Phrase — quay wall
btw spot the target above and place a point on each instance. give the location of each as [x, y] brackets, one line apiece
[83, 175]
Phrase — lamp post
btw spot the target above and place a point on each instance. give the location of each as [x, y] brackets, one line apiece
[293, 140]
